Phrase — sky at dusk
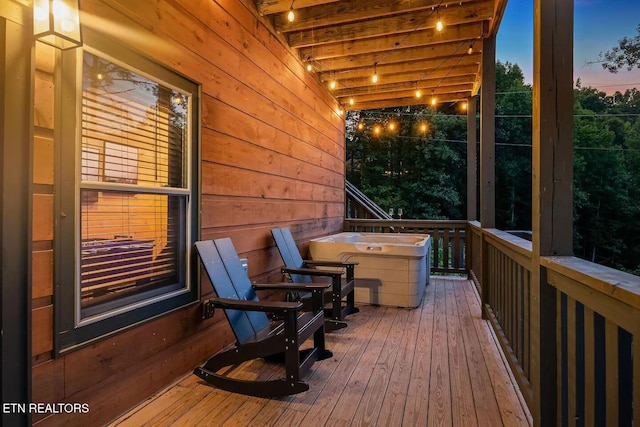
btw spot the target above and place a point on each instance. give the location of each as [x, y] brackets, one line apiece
[598, 25]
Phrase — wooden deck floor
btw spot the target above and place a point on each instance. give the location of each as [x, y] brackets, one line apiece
[437, 365]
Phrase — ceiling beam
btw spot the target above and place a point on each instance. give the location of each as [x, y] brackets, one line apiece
[404, 67]
[424, 86]
[442, 50]
[378, 44]
[390, 103]
[397, 24]
[269, 7]
[350, 11]
[426, 97]
[404, 77]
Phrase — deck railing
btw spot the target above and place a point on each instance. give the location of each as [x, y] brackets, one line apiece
[570, 341]
[578, 328]
[447, 238]
[501, 269]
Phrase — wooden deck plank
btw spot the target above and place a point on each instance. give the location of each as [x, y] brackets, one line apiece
[389, 372]
[392, 410]
[348, 345]
[462, 404]
[417, 404]
[438, 364]
[374, 395]
[511, 410]
[355, 388]
[439, 412]
[485, 403]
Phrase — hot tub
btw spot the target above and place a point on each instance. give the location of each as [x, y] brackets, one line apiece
[393, 269]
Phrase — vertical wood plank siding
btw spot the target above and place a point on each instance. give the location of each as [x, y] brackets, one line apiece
[272, 155]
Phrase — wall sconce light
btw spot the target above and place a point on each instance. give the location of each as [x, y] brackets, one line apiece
[57, 23]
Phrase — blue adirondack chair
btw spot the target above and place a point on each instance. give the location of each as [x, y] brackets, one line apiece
[257, 336]
[304, 271]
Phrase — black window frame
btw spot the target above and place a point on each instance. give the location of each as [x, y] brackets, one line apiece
[70, 333]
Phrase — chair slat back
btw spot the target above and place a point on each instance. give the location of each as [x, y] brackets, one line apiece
[289, 252]
[244, 326]
[240, 280]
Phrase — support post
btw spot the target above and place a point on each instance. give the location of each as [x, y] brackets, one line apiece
[472, 181]
[16, 135]
[472, 184]
[552, 204]
[488, 134]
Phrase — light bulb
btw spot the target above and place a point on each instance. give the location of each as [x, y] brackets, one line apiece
[439, 25]
[418, 93]
[309, 67]
[392, 126]
[464, 105]
[291, 16]
[40, 13]
[99, 76]
[423, 128]
[351, 101]
[433, 101]
[470, 50]
[332, 84]
[60, 10]
[376, 130]
[360, 126]
[374, 78]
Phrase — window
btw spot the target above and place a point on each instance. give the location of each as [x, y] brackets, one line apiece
[124, 243]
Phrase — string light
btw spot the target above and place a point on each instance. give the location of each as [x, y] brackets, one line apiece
[360, 126]
[392, 126]
[332, 84]
[376, 130]
[424, 128]
[433, 101]
[418, 93]
[464, 106]
[439, 24]
[291, 16]
[470, 50]
[309, 67]
[374, 78]
[351, 101]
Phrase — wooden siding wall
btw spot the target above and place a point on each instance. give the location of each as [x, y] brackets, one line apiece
[272, 155]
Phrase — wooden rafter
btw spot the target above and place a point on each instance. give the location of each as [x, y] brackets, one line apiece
[434, 51]
[345, 40]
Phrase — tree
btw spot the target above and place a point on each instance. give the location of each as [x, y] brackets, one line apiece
[513, 148]
[626, 54]
[421, 172]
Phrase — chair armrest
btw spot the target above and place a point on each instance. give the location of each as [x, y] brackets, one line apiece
[330, 263]
[309, 287]
[264, 306]
[312, 272]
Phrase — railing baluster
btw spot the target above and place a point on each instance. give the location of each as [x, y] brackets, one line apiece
[435, 246]
[571, 360]
[445, 249]
[589, 369]
[611, 358]
[456, 249]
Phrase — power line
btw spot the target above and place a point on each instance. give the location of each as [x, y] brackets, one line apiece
[511, 144]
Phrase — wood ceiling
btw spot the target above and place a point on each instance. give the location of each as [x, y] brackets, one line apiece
[346, 40]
